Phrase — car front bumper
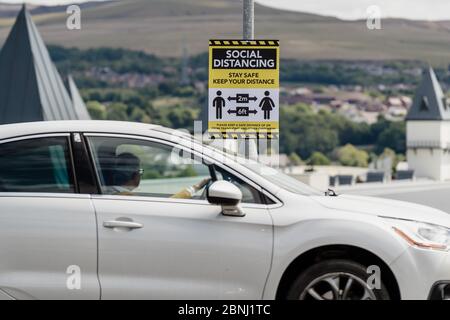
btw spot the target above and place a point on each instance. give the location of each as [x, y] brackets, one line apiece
[422, 274]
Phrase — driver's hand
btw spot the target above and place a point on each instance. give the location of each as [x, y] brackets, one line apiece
[201, 184]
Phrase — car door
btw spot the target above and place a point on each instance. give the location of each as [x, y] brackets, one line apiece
[157, 243]
[48, 245]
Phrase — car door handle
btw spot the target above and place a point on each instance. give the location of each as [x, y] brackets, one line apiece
[122, 224]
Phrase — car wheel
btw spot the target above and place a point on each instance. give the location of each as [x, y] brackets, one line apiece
[335, 280]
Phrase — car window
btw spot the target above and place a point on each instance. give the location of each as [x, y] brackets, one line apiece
[36, 165]
[141, 168]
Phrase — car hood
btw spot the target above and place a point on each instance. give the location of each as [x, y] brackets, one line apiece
[385, 208]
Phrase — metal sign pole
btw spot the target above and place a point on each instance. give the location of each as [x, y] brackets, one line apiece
[249, 20]
[250, 146]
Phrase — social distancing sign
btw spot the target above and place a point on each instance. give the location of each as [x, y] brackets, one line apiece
[244, 88]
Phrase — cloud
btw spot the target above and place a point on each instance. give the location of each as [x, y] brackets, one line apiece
[357, 9]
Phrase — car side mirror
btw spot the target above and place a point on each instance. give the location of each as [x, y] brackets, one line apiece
[227, 195]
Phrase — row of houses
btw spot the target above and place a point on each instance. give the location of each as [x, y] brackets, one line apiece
[352, 103]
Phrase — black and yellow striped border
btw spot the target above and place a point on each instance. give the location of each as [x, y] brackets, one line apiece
[244, 135]
[249, 43]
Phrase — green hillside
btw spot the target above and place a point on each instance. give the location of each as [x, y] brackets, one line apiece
[162, 26]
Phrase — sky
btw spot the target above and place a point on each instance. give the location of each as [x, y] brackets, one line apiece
[45, 2]
[357, 9]
[344, 9]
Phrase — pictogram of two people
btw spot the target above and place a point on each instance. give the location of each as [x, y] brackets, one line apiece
[266, 105]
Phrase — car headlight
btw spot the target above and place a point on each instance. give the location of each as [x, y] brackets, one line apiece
[422, 235]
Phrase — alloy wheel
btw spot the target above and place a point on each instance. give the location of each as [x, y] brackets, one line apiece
[338, 286]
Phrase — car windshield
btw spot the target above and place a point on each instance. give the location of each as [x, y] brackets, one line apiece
[275, 176]
[281, 179]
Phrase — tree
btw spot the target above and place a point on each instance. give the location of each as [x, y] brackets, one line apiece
[318, 159]
[96, 110]
[378, 127]
[304, 131]
[180, 117]
[139, 115]
[117, 111]
[352, 156]
[295, 159]
[394, 137]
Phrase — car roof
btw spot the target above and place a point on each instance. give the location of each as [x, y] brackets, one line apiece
[46, 127]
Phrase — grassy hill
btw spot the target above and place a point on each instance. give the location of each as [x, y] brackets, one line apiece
[162, 26]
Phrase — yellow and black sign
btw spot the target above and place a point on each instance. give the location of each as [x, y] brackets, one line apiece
[244, 88]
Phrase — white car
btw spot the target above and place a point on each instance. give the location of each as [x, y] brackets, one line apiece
[115, 210]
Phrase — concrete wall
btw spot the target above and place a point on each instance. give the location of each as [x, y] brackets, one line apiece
[426, 163]
[319, 181]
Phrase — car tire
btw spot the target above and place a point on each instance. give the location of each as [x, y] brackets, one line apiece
[328, 280]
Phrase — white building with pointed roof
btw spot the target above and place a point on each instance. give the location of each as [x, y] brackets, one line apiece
[428, 131]
[31, 88]
[77, 101]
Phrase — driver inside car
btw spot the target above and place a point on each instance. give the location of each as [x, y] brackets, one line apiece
[128, 175]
